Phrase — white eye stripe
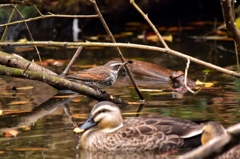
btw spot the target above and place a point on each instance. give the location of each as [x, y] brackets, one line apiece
[102, 107]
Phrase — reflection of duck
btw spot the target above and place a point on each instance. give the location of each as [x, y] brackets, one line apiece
[106, 130]
[214, 129]
[152, 75]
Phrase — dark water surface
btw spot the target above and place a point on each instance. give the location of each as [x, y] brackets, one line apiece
[44, 125]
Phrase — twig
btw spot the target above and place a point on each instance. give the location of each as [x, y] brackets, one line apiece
[65, 72]
[6, 28]
[29, 32]
[49, 16]
[39, 12]
[26, 67]
[185, 79]
[117, 48]
[145, 16]
[126, 45]
[140, 107]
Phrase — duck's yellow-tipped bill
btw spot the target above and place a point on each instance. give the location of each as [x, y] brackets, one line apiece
[78, 130]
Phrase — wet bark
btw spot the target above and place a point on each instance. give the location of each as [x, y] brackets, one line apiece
[229, 19]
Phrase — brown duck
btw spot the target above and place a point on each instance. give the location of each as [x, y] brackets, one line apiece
[106, 130]
[212, 130]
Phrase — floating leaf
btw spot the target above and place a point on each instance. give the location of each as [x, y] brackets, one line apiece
[6, 112]
[83, 116]
[1, 112]
[23, 40]
[127, 33]
[18, 102]
[76, 100]
[150, 90]
[206, 84]
[32, 149]
[25, 88]
[26, 127]
[11, 132]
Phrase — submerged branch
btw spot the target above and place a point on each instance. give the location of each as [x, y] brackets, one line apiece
[128, 45]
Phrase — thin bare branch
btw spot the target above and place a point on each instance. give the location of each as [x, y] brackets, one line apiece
[185, 76]
[185, 79]
[49, 16]
[65, 72]
[6, 28]
[150, 23]
[128, 45]
[29, 32]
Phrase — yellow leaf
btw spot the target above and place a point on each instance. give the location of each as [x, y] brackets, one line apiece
[32, 149]
[18, 102]
[206, 84]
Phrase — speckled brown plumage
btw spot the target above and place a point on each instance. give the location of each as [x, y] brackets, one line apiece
[106, 130]
[98, 77]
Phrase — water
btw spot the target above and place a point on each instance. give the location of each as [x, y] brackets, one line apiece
[44, 126]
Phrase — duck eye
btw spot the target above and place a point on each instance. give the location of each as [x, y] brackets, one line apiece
[103, 111]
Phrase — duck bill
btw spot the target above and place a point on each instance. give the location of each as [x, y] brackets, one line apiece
[86, 125]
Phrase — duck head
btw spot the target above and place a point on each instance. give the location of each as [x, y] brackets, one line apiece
[105, 116]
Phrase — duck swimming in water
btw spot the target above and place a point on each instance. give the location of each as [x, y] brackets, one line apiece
[106, 130]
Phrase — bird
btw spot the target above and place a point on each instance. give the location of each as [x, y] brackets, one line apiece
[105, 130]
[212, 130]
[98, 77]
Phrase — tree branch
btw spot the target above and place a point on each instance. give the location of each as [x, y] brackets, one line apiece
[59, 82]
[128, 45]
[229, 18]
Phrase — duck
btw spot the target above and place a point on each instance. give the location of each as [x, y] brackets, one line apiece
[214, 129]
[106, 130]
